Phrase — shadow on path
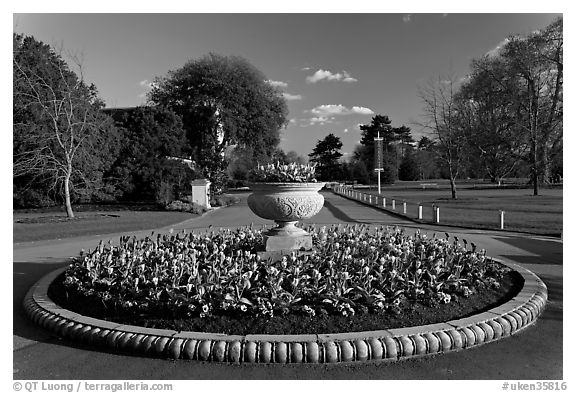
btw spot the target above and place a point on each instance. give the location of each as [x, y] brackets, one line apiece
[24, 276]
[339, 214]
[545, 252]
[554, 308]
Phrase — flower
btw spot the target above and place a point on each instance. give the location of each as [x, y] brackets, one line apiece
[283, 173]
[444, 297]
[220, 272]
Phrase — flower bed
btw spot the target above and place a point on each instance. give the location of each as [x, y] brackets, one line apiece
[356, 272]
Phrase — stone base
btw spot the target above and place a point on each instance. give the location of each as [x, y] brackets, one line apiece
[287, 243]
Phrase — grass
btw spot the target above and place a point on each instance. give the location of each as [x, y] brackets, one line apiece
[479, 206]
[54, 225]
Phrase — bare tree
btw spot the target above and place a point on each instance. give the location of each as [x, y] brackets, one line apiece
[441, 118]
[489, 118]
[537, 62]
[533, 78]
[65, 140]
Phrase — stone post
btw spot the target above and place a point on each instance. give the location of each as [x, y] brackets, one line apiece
[201, 192]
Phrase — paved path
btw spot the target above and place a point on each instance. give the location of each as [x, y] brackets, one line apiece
[535, 353]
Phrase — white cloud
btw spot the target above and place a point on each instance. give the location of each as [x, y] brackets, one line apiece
[292, 97]
[305, 68]
[146, 84]
[362, 110]
[330, 110]
[494, 51]
[406, 18]
[345, 130]
[329, 76]
[277, 83]
[324, 110]
[321, 120]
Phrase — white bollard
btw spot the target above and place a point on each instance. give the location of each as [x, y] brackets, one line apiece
[436, 214]
[404, 207]
[419, 212]
[393, 204]
[501, 219]
[383, 202]
[370, 199]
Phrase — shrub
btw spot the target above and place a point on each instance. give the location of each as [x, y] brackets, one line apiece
[185, 207]
[224, 200]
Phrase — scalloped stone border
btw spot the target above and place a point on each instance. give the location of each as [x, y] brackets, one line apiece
[380, 345]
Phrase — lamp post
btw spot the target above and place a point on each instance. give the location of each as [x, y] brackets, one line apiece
[378, 158]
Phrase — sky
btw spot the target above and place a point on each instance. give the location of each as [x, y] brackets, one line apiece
[336, 71]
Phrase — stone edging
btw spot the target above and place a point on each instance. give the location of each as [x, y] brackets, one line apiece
[381, 345]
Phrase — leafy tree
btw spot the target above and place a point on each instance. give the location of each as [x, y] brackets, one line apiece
[223, 101]
[425, 157]
[294, 157]
[425, 143]
[326, 154]
[62, 142]
[403, 134]
[149, 166]
[381, 125]
[360, 172]
[409, 166]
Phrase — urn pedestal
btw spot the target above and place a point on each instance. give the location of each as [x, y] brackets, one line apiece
[286, 204]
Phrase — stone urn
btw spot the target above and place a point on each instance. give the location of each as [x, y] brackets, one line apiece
[286, 204]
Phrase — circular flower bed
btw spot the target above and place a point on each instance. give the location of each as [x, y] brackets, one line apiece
[355, 270]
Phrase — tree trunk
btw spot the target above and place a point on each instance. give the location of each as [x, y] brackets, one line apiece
[453, 187]
[69, 211]
[533, 112]
[534, 170]
[546, 171]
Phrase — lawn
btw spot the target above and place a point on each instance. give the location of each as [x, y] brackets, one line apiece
[480, 206]
[49, 225]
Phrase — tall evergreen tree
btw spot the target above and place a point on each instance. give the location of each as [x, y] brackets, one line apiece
[326, 154]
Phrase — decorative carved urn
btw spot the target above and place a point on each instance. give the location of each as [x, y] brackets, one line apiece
[286, 204]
